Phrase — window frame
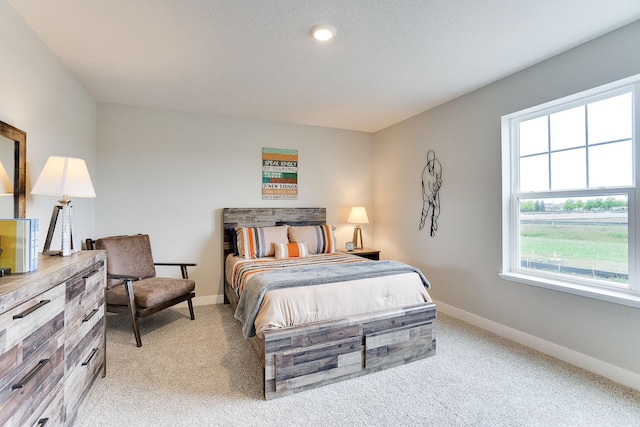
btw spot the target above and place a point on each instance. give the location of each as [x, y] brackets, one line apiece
[511, 269]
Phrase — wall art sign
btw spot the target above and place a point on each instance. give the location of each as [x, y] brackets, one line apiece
[279, 174]
[431, 183]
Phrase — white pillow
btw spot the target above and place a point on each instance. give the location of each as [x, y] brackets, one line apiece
[257, 242]
[319, 238]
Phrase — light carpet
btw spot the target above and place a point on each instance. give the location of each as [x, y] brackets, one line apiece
[203, 373]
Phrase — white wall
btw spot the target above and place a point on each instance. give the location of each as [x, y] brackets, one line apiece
[170, 173]
[41, 97]
[464, 258]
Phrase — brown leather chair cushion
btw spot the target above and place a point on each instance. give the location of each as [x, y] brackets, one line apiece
[128, 256]
[152, 291]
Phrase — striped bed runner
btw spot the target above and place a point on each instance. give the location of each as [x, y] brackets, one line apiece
[244, 268]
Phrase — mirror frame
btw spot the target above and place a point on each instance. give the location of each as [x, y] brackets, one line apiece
[20, 168]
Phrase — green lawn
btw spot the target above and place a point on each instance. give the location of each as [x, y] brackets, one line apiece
[584, 246]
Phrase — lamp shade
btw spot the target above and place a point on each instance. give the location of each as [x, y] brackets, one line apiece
[358, 215]
[6, 187]
[64, 176]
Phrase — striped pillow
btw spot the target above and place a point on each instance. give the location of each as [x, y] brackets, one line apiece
[291, 250]
[257, 242]
[319, 238]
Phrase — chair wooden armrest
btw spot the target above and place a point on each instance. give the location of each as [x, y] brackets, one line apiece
[183, 266]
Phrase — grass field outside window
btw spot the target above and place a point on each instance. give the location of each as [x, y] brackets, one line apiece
[582, 246]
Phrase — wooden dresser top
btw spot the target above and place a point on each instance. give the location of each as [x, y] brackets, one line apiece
[52, 270]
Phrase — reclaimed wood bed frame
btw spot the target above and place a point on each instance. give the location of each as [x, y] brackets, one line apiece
[308, 356]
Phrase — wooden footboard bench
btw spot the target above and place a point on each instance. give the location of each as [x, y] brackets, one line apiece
[304, 357]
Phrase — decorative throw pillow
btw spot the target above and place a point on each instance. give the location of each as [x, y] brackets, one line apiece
[319, 238]
[291, 250]
[257, 242]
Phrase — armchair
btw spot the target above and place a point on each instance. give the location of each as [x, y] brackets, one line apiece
[132, 285]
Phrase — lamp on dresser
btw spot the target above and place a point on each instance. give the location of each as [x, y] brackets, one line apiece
[65, 177]
[358, 215]
[6, 186]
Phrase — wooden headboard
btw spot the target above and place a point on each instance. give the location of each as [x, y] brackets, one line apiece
[267, 217]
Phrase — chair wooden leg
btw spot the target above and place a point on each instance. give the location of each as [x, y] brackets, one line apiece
[128, 286]
[191, 309]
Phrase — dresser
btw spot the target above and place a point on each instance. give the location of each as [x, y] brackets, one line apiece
[52, 339]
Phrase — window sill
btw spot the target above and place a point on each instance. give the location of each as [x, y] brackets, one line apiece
[609, 295]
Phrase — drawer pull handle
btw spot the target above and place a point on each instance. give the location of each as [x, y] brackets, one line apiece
[92, 273]
[42, 422]
[93, 353]
[30, 375]
[90, 315]
[31, 309]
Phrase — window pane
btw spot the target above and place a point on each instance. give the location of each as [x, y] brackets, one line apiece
[568, 129]
[610, 165]
[534, 173]
[534, 136]
[587, 237]
[610, 119]
[569, 169]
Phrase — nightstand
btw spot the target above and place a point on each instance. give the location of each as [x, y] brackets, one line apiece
[369, 253]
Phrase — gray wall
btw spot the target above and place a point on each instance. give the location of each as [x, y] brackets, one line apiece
[464, 258]
[41, 97]
[170, 173]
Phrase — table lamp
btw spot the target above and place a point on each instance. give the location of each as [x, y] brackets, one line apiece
[358, 215]
[65, 177]
[6, 186]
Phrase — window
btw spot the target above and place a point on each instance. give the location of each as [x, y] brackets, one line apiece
[570, 192]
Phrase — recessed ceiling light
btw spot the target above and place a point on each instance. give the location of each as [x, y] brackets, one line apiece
[323, 32]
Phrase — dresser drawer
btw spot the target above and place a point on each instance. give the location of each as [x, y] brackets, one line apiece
[83, 365]
[37, 381]
[50, 413]
[26, 329]
[83, 297]
[84, 305]
[31, 362]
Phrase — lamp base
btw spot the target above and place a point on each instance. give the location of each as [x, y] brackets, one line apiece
[67, 230]
[357, 233]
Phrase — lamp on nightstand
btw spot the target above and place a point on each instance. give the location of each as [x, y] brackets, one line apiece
[358, 216]
[63, 176]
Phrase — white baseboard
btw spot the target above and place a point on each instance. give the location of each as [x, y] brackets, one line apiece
[607, 370]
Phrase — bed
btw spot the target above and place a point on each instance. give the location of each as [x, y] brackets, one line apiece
[310, 355]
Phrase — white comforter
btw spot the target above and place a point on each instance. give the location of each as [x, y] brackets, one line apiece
[300, 305]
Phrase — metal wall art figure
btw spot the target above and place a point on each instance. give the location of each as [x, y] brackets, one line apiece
[431, 183]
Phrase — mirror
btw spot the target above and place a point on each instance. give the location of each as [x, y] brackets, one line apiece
[13, 155]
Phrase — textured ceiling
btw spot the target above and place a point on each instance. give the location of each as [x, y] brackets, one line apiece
[390, 59]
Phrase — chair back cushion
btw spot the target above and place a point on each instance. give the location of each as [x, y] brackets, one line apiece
[128, 255]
